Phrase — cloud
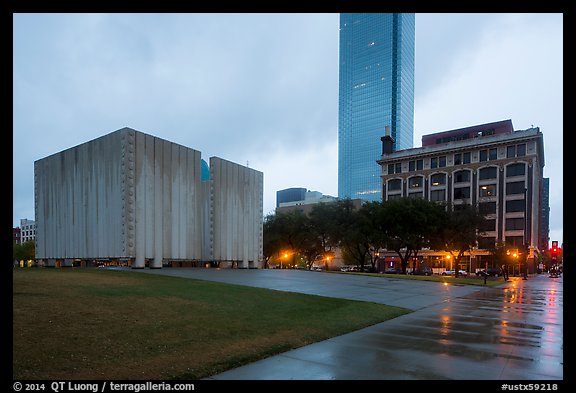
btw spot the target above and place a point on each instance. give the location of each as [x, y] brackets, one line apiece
[263, 88]
[511, 69]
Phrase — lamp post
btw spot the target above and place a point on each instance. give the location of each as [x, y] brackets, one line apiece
[285, 257]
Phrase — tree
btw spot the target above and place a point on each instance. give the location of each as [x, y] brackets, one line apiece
[407, 224]
[323, 227]
[272, 238]
[458, 232]
[364, 234]
[327, 226]
[291, 232]
[24, 251]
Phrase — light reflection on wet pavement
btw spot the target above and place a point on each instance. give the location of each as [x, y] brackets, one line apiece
[511, 332]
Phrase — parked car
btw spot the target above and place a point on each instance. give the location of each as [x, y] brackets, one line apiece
[494, 271]
[452, 273]
[481, 273]
[423, 271]
[491, 271]
[392, 270]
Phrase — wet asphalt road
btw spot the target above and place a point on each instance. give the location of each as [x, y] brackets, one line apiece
[511, 332]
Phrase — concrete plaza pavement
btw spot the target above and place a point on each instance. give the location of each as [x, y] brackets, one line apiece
[460, 332]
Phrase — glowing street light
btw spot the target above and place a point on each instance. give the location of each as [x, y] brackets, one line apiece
[285, 256]
[327, 261]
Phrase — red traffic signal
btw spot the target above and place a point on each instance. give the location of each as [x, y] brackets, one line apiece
[554, 246]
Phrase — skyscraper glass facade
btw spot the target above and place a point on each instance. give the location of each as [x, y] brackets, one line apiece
[376, 90]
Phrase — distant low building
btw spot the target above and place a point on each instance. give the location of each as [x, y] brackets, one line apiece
[305, 203]
[290, 195]
[138, 200]
[16, 238]
[27, 230]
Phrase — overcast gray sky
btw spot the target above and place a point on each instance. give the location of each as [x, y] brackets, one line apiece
[262, 89]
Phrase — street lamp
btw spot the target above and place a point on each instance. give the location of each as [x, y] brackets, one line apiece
[285, 257]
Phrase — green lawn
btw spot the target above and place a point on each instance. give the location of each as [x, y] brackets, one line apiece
[101, 324]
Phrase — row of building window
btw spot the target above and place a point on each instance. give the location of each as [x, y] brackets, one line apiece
[515, 205]
[485, 190]
[459, 159]
[462, 176]
[489, 242]
[510, 224]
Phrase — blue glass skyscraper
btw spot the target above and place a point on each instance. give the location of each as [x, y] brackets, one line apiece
[376, 90]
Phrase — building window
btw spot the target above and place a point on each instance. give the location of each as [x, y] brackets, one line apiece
[517, 169]
[516, 205]
[514, 224]
[394, 185]
[398, 168]
[466, 158]
[493, 154]
[488, 173]
[487, 190]
[394, 196]
[487, 243]
[515, 241]
[483, 155]
[438, 179]
[417, 165]
[415, 182]
[437, 195]
[457, 158]
[461, 192]
[488, 225]
[390, 169]
[487, 208]
[521, 150]
[516, 151]
[442, 161]
[511, 151]
[434, 162]
[418, 194]
[516, 187]
[460, 206]
[462, 176]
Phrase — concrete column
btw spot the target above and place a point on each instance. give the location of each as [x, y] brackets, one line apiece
[156, 263]
[139, 262]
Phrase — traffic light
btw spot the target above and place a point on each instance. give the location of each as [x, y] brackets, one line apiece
[554, 250]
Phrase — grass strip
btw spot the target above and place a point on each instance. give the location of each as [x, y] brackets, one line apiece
[468, 280]
[102, 324]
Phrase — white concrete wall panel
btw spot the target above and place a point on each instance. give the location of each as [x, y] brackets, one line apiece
[123, 195]
[78, 201]
[236, 213]
[158, 204]
[149, 173]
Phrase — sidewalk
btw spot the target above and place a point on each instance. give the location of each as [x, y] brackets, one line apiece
[510, 332]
